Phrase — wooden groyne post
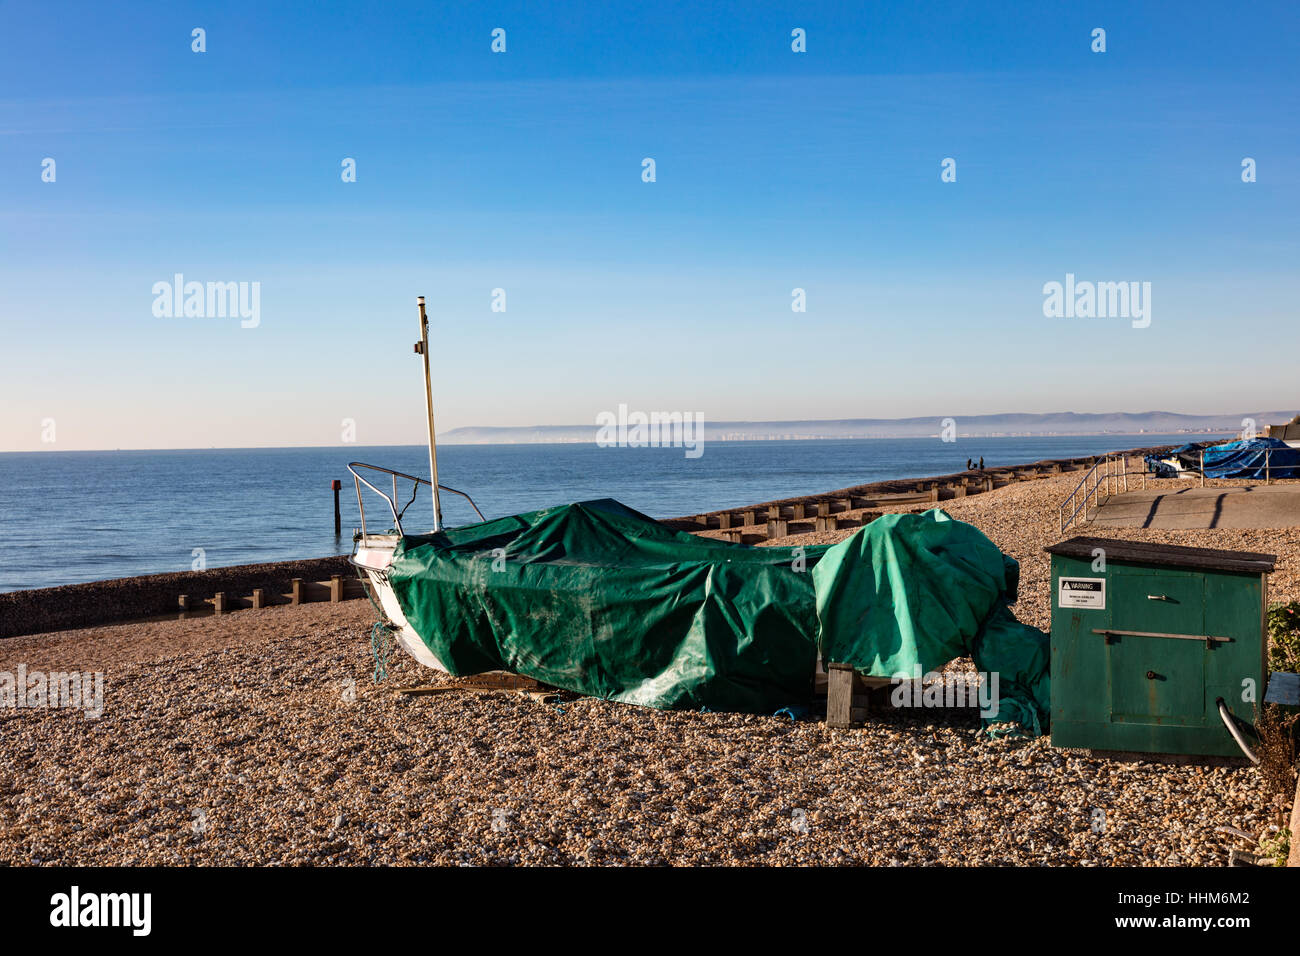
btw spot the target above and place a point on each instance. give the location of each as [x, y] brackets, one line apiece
[336, 486]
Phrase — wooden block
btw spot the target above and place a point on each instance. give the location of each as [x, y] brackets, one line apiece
[827, 523]
[295, 597]
[777, 528]
[258, 602]
[183, 602]
[839, 695]
[493, 682]
[747, 518]
[797, 511]
[724, 521]
[336, 588]
[823, 508]
[773, 512]
[219, 602]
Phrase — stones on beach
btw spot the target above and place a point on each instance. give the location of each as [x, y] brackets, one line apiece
[497, 779]
[242, 719]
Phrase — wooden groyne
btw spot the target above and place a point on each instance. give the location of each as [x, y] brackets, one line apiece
[854, 507]
[216, 590]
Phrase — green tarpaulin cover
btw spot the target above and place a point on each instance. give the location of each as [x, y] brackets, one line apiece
[909, 593]
[599, 599]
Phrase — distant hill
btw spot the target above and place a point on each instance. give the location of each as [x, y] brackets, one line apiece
[974, 426]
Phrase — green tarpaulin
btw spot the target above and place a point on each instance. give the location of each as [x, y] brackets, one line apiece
[909, 593]
[599, 599]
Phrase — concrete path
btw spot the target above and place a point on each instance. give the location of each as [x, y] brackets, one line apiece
[1246, 506]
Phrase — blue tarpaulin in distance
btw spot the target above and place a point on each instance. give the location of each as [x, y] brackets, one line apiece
[1252, 458]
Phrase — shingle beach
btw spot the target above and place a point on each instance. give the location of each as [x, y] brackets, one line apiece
[260, 737]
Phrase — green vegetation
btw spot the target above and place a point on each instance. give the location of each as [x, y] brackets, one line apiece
[1279, 726]
[1277, 846]
[1284, 637]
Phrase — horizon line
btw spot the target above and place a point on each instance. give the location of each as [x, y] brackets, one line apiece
[730, 441]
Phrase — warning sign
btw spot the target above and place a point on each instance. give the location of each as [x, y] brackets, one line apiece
[1082, 592]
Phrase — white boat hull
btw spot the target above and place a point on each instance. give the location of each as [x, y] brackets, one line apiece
[373, 555]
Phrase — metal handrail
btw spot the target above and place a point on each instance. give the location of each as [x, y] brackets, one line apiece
[1108, 478]
[416, 480]
[1063, 520]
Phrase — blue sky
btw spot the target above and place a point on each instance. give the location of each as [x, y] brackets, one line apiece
[522, 171]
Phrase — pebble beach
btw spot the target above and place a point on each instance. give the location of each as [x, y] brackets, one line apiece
[260, 737]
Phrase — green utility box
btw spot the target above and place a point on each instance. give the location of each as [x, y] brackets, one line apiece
[1148, 638]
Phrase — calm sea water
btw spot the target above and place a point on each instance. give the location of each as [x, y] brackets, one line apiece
[67, 517]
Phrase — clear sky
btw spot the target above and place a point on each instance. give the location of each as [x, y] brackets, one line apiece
[522, 171]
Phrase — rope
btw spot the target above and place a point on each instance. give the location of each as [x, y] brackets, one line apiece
[381, 634]
[381, 646]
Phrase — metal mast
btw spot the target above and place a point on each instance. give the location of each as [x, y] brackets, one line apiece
[422, 348]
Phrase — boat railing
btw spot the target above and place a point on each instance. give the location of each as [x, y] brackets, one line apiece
[393, 499]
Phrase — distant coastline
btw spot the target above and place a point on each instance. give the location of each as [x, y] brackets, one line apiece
[449, 439]
[1010, 425]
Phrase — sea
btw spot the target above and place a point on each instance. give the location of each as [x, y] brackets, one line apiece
[69, 517]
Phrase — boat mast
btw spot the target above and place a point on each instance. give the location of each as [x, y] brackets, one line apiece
[422, 347]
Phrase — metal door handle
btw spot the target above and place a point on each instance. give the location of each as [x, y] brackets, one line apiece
[1157, 597]
[1110, 632]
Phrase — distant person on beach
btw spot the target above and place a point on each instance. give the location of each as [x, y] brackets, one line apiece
[981, 462]
[969, 464]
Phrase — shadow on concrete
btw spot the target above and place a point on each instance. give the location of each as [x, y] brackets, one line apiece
[1246, 506]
